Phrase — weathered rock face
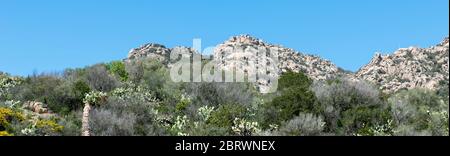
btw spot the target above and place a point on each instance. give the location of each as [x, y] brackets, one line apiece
[255, 56]
[409, 68]
[158, 52]
[37, 107]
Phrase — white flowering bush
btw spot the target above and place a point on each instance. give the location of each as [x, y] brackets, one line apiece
[6, 83]
[135, 91]
[29, 131]
[386, 129]
[180, 125]
[245, 128]
[205, 112]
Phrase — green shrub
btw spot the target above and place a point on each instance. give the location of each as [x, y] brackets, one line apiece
[182, 105]
[295, 97]
[80, 88]
[419, 112]
[293, 80]
[362, 119]
[225, 115]
[157, 79]
[349, 106]
[117, 68]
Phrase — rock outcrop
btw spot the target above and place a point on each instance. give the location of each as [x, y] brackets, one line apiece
[255, 56]
[288, 59]
[409, 68]
[158, 52]
[37, 107]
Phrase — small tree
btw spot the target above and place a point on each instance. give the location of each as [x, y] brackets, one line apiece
[91, 99]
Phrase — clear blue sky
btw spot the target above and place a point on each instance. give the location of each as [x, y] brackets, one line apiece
[50, 35]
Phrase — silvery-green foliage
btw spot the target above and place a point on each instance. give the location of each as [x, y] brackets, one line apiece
[99, 79]
[214, 94]
[72, 123]
[419, 112]
[135, 70]
[305, 124]
[401, 110]
[409, 130]
[107, 123]
[129, 111]
[344, 94]
[439, 123]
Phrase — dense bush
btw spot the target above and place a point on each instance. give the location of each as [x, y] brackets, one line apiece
[215, 94]
[157, 79]
[117, 68]
[135, 70]
[350, 107]
[99, 79]
[303, 125]
[295, 97]
[60, 94]
[8, 117]
[225, 115]
[419, 112]
[68, 96]
[71, 123]
[37, 87]
[129, 111]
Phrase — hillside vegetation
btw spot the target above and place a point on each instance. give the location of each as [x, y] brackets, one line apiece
[395, 95]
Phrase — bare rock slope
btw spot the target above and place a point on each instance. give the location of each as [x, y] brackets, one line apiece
[409, 68]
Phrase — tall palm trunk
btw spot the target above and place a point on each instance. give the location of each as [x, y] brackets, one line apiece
[85, 129]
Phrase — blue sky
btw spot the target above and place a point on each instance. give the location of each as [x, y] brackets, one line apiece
[50, 35]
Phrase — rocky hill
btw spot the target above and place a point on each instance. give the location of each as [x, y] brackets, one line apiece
[404, 69]
[236, 53]
[249, 54]
[288, 59]
[409, 68]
